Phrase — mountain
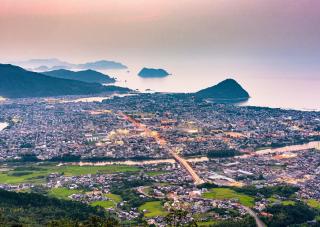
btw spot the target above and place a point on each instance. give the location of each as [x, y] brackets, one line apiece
[36, 63]
[153, 73]
[89, 76]
[41, 68]
[55, 64]
[16, 82]
[57, 67]
[102, 65]
[228, 89]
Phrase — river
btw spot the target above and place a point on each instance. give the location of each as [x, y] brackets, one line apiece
[291, 148]
[137, 163]
[96, 98]
[3, 125]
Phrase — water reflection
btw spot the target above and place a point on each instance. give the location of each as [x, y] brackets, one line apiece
[278, 91]
[3, 125]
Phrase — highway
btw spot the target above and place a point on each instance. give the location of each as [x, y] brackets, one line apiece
[161, 141]
[196, 179]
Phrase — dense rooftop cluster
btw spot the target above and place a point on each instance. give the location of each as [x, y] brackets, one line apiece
[80, 151]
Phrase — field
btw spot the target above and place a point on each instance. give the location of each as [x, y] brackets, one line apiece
[288, 203]
[204, 216]
[226, 193]
[313, 203]
[207, 223]
[17, 176]
[63, 193]
[156, 173]
[114, 197]
[153, 209]
[285, 202]
[105, 204]
[38, 173]
[82, 170]
[114, 200]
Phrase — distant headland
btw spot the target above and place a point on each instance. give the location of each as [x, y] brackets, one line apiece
[89, 76]
[50, 64]
[227, 90]
[16, 82]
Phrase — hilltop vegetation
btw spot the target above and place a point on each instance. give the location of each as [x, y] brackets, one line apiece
[280, 190]
[16, 82]
[89, 76]
[31, 209]
[228, 89]
[153, 73]
[287, 215]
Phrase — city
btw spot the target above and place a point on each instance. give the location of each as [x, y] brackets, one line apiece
[159, 113]
[166, 150]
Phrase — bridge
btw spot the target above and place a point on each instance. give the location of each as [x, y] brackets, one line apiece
[195, 177]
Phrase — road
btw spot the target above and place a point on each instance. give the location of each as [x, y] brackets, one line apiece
[197, 180]
[161, 141]
[255, 216]
[142, 189]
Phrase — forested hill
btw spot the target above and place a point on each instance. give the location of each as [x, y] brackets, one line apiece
[30, 209]
[16, 82]
[89, 76]
[228, 89]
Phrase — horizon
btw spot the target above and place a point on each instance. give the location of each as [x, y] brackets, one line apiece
[159, 113]
[261, 35]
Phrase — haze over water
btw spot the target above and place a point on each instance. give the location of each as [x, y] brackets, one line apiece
[278, 89]
[270, 47]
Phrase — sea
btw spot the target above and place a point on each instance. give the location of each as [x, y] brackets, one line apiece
[274, 89]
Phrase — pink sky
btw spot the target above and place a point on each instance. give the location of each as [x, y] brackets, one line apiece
[83, 29]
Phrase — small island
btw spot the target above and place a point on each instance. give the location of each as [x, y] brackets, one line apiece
[153, 73]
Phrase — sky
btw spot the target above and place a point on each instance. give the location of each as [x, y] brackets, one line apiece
[277, 33]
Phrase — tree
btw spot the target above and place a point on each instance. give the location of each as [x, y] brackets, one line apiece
[288, 215]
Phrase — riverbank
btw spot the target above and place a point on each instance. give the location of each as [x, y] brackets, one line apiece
[290, 148]
[135, 163]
